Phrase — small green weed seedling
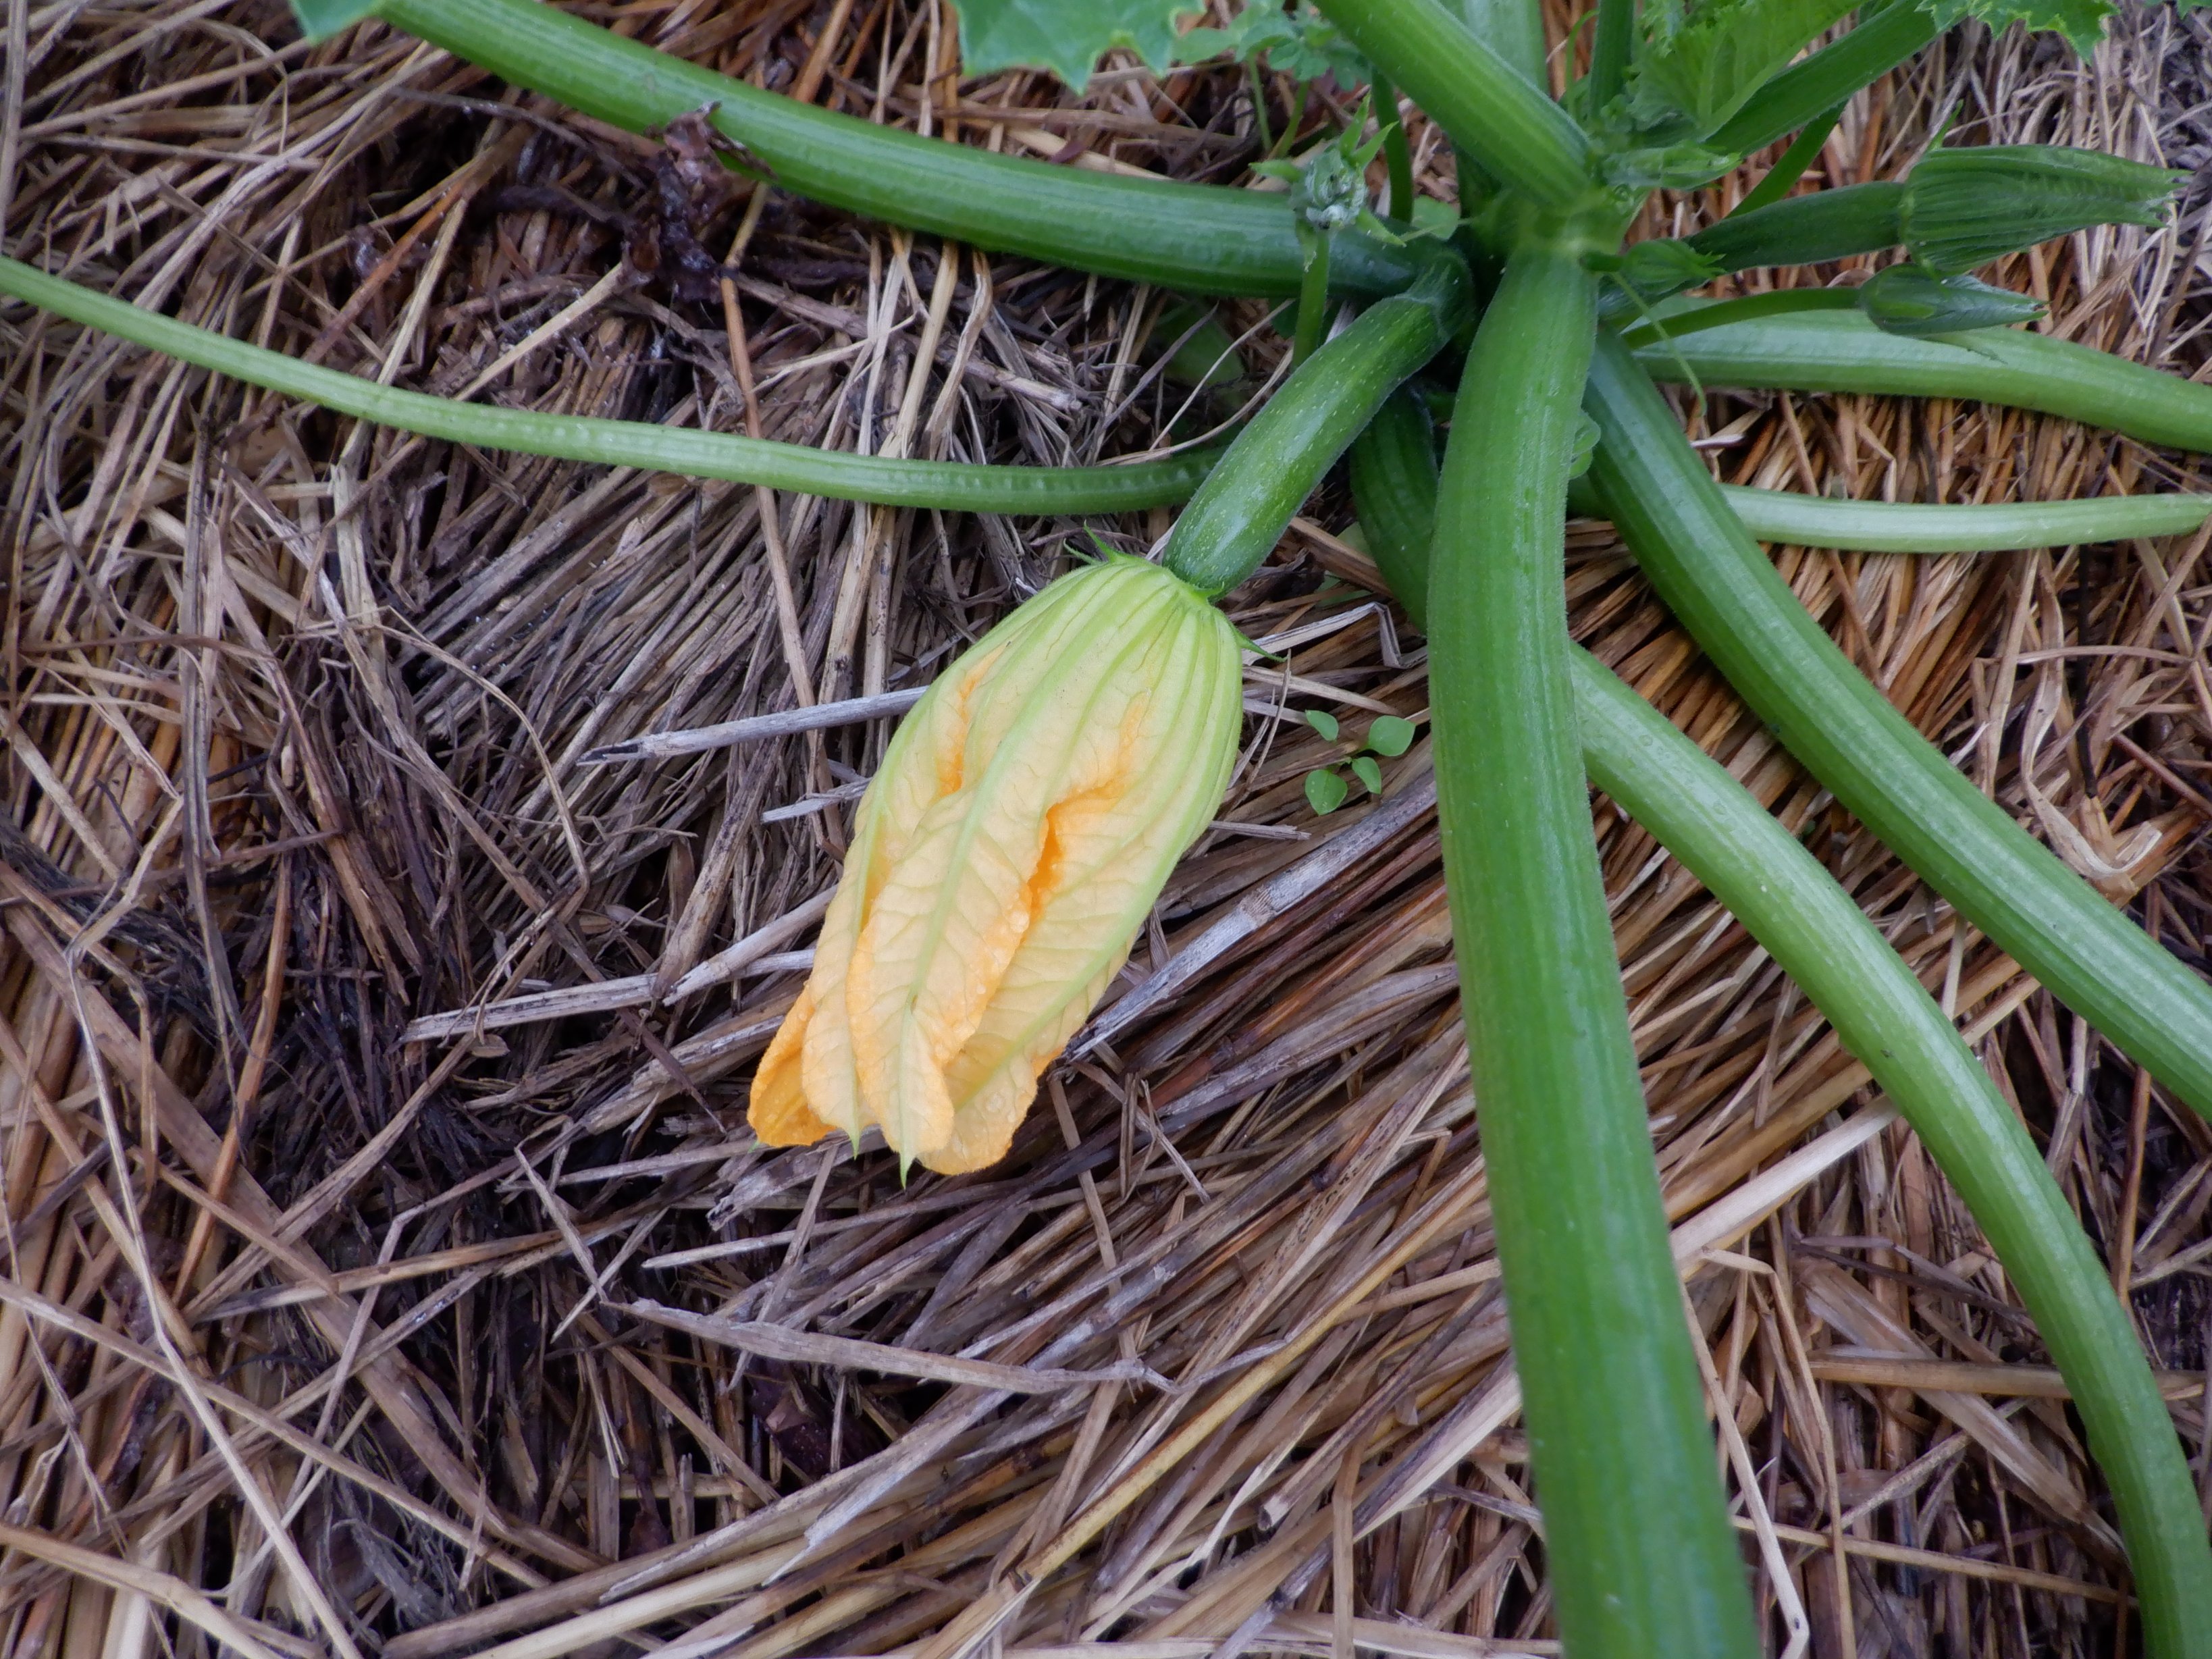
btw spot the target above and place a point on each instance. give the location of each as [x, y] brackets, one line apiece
[1389, 737]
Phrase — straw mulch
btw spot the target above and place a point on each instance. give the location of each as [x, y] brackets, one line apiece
[326, 1331]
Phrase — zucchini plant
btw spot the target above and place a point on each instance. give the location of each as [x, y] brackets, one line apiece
[1556, 327]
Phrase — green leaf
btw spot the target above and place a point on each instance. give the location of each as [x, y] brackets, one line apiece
[1251, 32]
[1368, 772]
[1390, 735]
[1369, 225]
[1435, 218]
[1066, 36]
[321, 19]
[1699, 62]
[2081, 22]
[1323, 723]
[1303, 44]
[1325, 791]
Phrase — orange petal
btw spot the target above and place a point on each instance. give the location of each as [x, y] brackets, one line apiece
[1110, 851]
[955, 909]
[984, 1121]
[826, 1074]
[778, 1110]
[936, 941]
[1022, 824]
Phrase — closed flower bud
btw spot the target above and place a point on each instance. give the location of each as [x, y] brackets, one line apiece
[1656, 269]
[1964, 208]
[1331, 193]
[1908, 301]
[1024, 819]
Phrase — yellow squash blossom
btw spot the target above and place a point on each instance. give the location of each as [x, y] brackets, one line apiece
[1026, 817]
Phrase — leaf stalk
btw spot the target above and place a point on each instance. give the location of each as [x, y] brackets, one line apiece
[1617, 1428]
[953, 486]
[1522, 139]
[1726, 593]
[1886, 1018]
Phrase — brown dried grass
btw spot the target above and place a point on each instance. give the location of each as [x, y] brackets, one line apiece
[517, 1341]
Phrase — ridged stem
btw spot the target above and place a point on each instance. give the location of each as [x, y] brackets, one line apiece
[1726, 593]
[1486, 106]
[1886, 1018]
[1801, 520]
[1780, 515]
[1394, 490]
[1613, 37]
[1842, 351]
[1642, 1557]
[1195, 238]
[953, 486]
[1801, 93]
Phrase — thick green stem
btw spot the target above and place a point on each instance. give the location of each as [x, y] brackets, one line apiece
[1612, 37]
[1781, 516]
[1724, 591]
[1189, 237]
[1842, 351]
[1804, 149]
[1799, 94]
[1884, 1016]
[1238, 514]
[1804, 230]
[1397, 155]
[949, 485]
[1522, 139]
[1514, 30]
[1313, 299]
[1394, 490]
[1642, 1557]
